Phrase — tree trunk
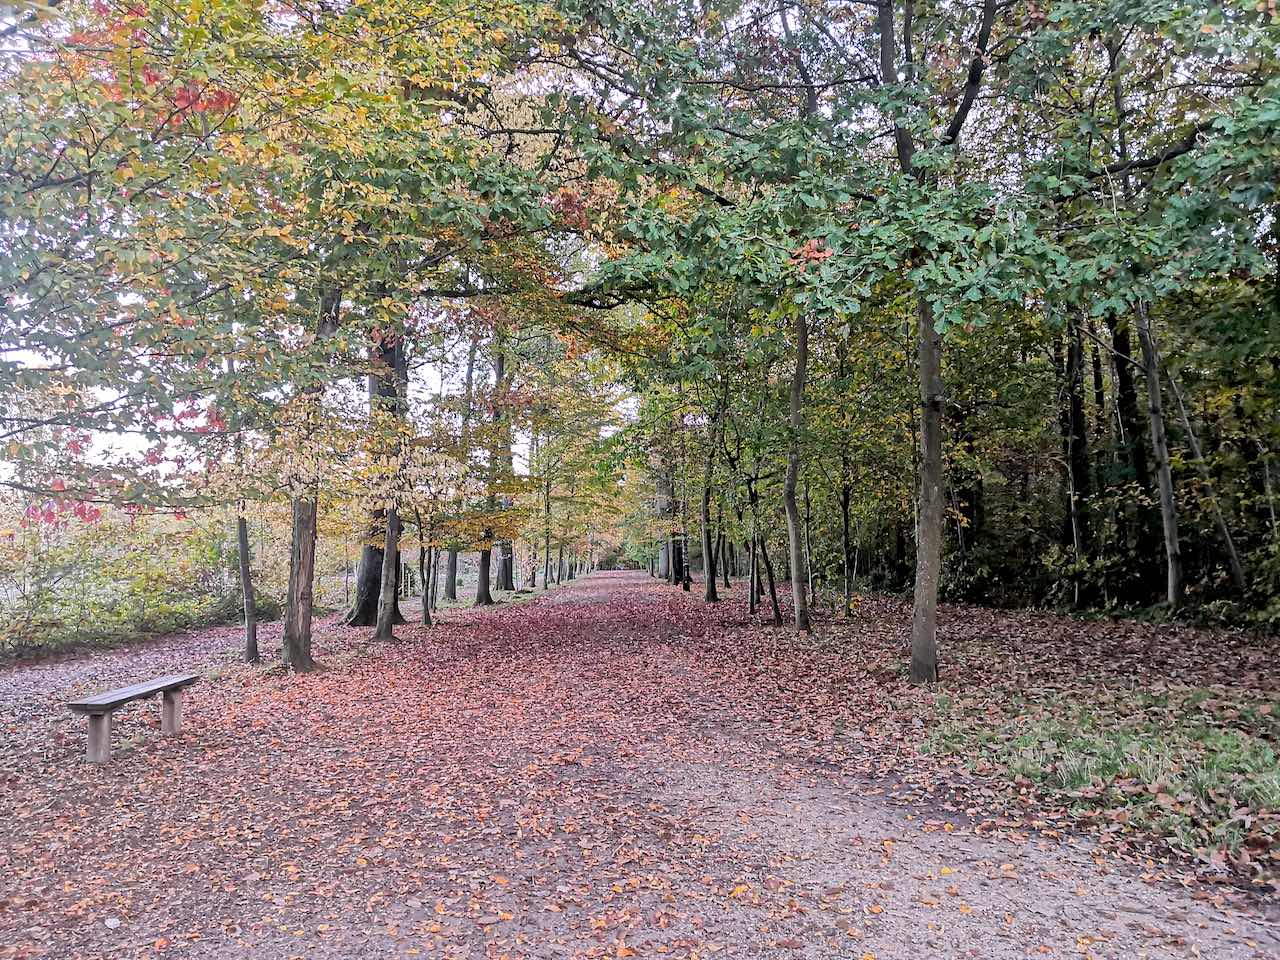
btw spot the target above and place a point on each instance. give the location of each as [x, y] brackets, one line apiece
[795, 531]
[251, 654]
[773, 589]
[483, 597]
[1160, 450]
[546, 538]
[451, 563]
[296, 640]
[846, 495]
[506, 566]
[924, 614]
[435, 579]
[388, 605]
[708, 556]
[451, 574]
[1077, 436]
[296, 646]
[385, 395]
[424, 564]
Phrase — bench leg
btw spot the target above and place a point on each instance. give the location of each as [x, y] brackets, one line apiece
[99, 738]
[171, 712]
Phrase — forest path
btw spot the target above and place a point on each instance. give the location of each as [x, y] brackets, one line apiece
[605, 771]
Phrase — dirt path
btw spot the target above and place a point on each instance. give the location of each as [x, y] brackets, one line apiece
[580, 776]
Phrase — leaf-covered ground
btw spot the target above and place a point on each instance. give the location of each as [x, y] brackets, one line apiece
[613, 770]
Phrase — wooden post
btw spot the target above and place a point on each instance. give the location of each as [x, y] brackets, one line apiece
[171, 712]
[99, 750]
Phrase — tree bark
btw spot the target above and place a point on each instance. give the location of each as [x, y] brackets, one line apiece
[388, 602]
[483, 597]
[451, 564]
[424, 564]
[773, 588]
[296, 639]
[451, 574]
[1160, 450]
[546, 535]
[924, 613]
[1077, 436]
[251, 654]
[708, 555]
[384, 397]
[795, 532]
[435, 579]
[846, 494]
[296, 644]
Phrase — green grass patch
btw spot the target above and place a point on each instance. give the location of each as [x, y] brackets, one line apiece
[1195, 767]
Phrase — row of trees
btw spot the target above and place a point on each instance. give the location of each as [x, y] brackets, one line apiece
[977, 297]
[1078, 203]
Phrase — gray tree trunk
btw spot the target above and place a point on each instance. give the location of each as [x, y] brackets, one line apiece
[924, 613]
[388, 609]
[296, 640]
[1160, 450]
[296, 644]
[795, 529]
[251, 654]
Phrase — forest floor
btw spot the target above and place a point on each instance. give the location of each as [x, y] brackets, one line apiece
[619, 770]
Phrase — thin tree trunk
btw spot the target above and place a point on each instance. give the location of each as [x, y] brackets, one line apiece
[296, 644]
[1160, 450]
[251, 654]
[296, 639]
[424, 564]
[1077, 436]
[773, 589]
[708, 556]
[451, 564]
[385, 396]
[1268, 490]
[546, 539]
[924, 614]
[426, 561]
[845, 496]
[435, 579]
[795, 535]
[388, 609]
[725, 558]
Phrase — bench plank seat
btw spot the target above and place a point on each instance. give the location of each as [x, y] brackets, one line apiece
[100, 706]
[111, 699]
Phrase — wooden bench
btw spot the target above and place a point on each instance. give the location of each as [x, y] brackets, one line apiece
[100, 706]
